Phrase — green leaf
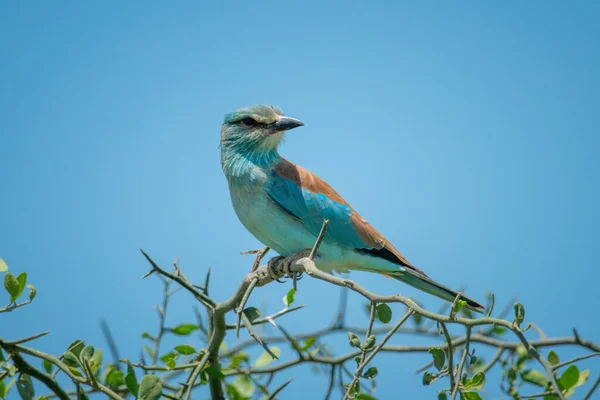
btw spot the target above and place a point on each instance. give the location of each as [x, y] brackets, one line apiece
[353, 339]
[237, 359]
[458, 306]
[428, 377]
[371, 373]
[583, 377]
[265, 358]
[244, 386]
[113, 376]
[3, 266]
[519, 313]
[76, 347]
[22, 279]
[214, 372]
[1, 356]
[48, 366]
[470, 396]
[369, 343]
[2, 386]
[384, 313]
[71, 359]
[499, 330]
[96, 360]
[86, 353]
[146, 335]
[75, 371]
[570, 377]
[288, 299]
[252, 313]
[32, 292]
[11, 284]
[553, 358]
[184, 329]
[308, 343]
[25, 387]
[131, 380]
[534, 377]
[150, 388]
[439, 357]
[476, 382]
[442, 395]
[185, 349]
[170, 359]
[364, 396]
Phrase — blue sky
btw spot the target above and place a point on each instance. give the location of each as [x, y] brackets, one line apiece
[467, 135]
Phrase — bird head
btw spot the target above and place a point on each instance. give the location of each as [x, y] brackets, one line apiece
[255, 130]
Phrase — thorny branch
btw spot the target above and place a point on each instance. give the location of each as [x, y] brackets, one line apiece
[211, 357]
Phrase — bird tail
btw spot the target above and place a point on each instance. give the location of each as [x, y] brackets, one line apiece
[432, 287]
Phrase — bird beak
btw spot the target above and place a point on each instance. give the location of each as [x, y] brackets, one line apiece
[286, 123]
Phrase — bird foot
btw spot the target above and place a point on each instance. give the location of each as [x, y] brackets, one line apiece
[282, 266]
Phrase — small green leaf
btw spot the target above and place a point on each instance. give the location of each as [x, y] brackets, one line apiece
[308, 343]
[458, 306]
[113, 376]
[146, 335]
[470, 396]
[428, 377]
[384, 313]
[499, 330]
[48, 366]
[288, 299]
[252, 313]
[71, 359]
[76, 347]
[553, 358]
[96, 360]
[442, 395]
[519, 313]
[364, 396]
[2, 386]
[369, 343]
[439, 357]
[150, 388]
[32, 292]
[22, 279]
[583, 377]
[11, 284]
[1, 356]
[170, 359]
[131, 380]
[244, 386]
[265, 358]
[238, 359]
[353, 339]
[535, 377]
[476, 382]
[75, 371]
[185, 349]
[86, 353]
[3, 266]
[25, 387]
[371, 373]
[214, 372]
[184, 329]
[570, 377]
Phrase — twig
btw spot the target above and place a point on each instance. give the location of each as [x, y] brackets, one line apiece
[461, 364]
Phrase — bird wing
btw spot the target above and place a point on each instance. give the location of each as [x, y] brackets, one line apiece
[310, 199]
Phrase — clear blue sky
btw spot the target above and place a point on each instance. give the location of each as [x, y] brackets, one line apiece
[468, 135]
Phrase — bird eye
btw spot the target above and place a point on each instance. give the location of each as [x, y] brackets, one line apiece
[249, 122]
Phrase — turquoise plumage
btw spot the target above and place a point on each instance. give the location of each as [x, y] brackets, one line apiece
[284, 205]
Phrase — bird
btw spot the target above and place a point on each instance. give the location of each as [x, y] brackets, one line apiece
[284, 205]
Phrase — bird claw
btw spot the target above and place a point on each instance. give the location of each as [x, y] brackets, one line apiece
[279, 264]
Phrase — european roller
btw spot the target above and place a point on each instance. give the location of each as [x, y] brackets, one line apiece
[284, 206]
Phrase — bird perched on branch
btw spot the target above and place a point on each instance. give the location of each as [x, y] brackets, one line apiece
[284, 206]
